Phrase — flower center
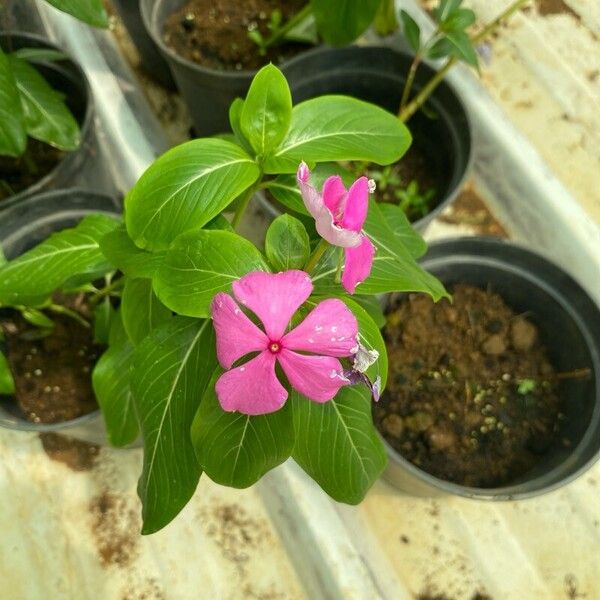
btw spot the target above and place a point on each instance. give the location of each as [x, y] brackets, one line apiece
[274, 347]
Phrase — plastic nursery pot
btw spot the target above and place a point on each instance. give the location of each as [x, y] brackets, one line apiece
[152, 60]
[22, 227]
[207, 93]
[67, 77]
[568, 322]
[377, 74]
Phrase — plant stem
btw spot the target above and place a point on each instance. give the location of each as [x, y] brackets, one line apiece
[107, 290]
[410, 80]
[63, 310]
[243, 205]
[288, 26]
[427, 90]
[316, 256]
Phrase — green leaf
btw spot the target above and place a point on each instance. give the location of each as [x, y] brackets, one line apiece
[412, 32]
[403, 230]
[184, 189]
[235, 117]
[13, 136]
[200, 264]
[445, 9]
[267, 111]
[103, 314]
[47, 117]
[441, 49]
[44, 268]
[7, 383]
[394, 268]
[372, 306]
[220, 222]
[89, 11]
[39, 54]
[460, 19]
[287, 245]
[235, 449]
[111, 380]
[336, 443]
[37, 318]
[141, 310]
[171, 370]
[340, 22]
[335, 128]
[120, 250]
[463, 47]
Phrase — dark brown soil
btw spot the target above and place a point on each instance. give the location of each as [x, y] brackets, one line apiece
[469, 209]
[460, 401]
[52, 374]
[555, 7]
[77, 455]
[215, 34]
[17, 174]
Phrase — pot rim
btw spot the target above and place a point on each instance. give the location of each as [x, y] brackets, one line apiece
[86, 123]
[513, 491]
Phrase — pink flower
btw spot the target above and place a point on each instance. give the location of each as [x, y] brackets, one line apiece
[330, 330]
[339, 216]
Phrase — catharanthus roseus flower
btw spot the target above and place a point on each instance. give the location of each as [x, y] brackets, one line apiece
[339, 217]
[328, 332]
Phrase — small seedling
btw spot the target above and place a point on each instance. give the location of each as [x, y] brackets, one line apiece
[526, 386]
[414, 202]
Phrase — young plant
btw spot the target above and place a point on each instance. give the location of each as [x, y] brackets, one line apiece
[415, 203]
[449, 40]
[230, 359]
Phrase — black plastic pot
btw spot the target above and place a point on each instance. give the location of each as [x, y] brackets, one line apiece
[152, 60]
[377, 74]
[67, 77]
[568, 321]
[207, 93]
[22, 227]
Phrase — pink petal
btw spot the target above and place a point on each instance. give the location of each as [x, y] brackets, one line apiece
[330, 329]
[357, 205]
[252, 388]
[237, 335]
[334, 196]
[323, 217]
[273, 297]
[316, 377]
[357, 265]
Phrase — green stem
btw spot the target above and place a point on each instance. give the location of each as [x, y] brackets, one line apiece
[427, 90]
[316, 256]
[63, 310]
[107, 290]
[410, 80]
[288, 26]
[243, 205]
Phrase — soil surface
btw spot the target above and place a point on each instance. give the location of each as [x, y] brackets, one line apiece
[472, 397]
[52, 373]
[17, 174]
[215, 34]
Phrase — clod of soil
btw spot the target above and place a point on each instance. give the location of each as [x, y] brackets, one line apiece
[215, 34]
[472, 397]
[77, 455]
[17, 174]
[52, 373]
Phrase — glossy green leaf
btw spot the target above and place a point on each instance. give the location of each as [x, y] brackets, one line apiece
[235, 449]
[184, 189]
[445, 8]
[111, 380]
[340, 22]
[441, 49]
[460, 19]
[103, 314]
[45, 267]
[394, 268]
[463, 47]
[335, 128]
[91, 12]
[287, 245]
[37, 317]
[47, 117]
[372, 306]
[235, 117]
[336, 443]
[412, 32]
[220, 222]
[200, 264]
[267, 110]
[403, 230]
[120, 251]
[141, 310]
[13, 136]
[171, 369]
[7, 383]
